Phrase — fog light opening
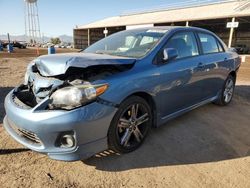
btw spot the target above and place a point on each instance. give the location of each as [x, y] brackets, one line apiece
[67, 141]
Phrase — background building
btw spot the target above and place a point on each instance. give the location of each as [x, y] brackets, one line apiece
[212, 16]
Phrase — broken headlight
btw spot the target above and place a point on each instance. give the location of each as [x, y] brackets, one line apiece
[74, 96]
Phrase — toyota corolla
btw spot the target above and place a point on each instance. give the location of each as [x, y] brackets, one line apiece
[72, 106]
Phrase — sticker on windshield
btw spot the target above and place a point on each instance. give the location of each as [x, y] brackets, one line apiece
[157, 31]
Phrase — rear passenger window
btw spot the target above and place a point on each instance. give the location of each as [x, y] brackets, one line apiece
[208, 43]
[184, 43]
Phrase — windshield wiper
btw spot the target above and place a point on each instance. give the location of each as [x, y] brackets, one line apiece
[112, 54]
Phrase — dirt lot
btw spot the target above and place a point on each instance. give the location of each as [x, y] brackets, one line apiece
[31, 52]
[208, 147]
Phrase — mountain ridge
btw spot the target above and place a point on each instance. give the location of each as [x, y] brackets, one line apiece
[63, 38]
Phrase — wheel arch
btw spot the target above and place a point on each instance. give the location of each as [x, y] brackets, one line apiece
[150, 100]
[233, 74]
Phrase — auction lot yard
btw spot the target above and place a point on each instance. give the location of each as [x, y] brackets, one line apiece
[208, 147]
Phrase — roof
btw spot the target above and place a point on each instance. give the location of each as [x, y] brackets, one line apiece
[168, 28]
[202, 12]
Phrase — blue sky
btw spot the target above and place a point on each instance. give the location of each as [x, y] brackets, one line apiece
[59, 17]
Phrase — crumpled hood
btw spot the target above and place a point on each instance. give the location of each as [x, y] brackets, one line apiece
[53, 65]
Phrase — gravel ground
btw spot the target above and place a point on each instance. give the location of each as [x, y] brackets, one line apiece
[208, 147]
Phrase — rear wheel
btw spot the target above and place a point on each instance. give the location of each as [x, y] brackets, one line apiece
[130, 125]
[227, 91]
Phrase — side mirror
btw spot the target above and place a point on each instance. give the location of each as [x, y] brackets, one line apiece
[169, 54]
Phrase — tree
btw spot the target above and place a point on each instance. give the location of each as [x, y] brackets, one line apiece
[55, 40]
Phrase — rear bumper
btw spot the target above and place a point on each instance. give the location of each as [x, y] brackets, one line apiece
[88, 125]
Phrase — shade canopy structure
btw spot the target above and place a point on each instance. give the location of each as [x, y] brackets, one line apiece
[203, 12]
[213, 16]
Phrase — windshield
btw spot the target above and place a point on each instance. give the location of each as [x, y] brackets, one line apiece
[130, 43]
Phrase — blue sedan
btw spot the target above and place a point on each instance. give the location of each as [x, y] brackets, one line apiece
[72, 106]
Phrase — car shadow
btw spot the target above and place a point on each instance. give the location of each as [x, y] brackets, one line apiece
[243, 91]
[3, 92]
[11, 151]
[207, 134]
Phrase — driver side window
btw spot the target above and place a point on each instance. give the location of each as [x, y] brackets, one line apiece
[185, 44]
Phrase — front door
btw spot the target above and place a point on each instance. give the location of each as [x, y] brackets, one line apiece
[183, 77]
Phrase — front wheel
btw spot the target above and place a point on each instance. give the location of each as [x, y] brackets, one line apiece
[130, 125]
[227, 91]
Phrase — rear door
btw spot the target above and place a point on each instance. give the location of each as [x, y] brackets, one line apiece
[213, 62]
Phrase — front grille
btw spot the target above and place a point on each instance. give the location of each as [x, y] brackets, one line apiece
[27, 135]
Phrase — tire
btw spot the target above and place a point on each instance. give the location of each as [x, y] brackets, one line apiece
[130, 125]
[226, 95]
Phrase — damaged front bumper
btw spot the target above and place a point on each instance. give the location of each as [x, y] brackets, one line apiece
[40, 129]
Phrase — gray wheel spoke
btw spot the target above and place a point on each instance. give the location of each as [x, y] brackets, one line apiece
[126, 137]
[138, 135]
[230, 84]
[225, 93]
[226, 98]
[123, 123]
[134, 112]
[144, 118]
[228, 92]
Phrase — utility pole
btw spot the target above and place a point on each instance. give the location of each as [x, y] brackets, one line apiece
[8, 37]
[231, 34]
